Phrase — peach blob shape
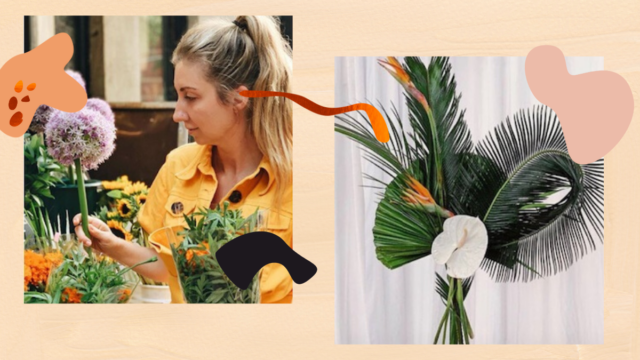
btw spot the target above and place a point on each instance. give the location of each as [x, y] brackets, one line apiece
[43, 65]
[594, 109]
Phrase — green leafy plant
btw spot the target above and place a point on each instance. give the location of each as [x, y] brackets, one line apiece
[41, 172]
[201, 278]
[87, 279]
[507, 181]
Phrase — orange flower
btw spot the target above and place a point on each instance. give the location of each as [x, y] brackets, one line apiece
[417, 194]
[125, 294]
[39, 266]
[392, 65]
[70, 296]
[190, 253]
[27, 277]
[55, 258]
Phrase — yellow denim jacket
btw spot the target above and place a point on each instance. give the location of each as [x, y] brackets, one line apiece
[187, 181]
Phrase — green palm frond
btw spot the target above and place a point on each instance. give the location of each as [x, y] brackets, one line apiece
[529, 235]
[441, 134]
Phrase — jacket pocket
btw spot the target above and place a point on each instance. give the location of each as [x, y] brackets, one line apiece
[176, 207]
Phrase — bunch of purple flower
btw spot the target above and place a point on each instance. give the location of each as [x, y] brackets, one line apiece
[88, 135]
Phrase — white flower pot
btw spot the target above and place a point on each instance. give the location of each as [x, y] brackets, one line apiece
[155, 294]
[136, 296]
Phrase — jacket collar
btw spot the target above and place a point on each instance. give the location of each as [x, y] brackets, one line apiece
[202, 163]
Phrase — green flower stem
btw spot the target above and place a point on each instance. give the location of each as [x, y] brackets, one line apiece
[449, 318]
[150, 260]
[453, 333]
[82, 196]
[70, 173]
[455, 316]
[468, 332]
[442, 323]
[439, 192]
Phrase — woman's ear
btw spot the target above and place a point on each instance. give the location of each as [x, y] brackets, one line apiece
[240, 102]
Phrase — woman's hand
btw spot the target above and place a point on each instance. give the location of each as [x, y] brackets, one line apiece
[102, 239]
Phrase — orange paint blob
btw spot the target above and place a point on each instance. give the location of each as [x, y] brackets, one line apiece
[377, 121]
[16, 119]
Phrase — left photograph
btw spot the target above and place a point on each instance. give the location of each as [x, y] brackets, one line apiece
[129, 199]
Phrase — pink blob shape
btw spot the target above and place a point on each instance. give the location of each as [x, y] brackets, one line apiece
[594, 109]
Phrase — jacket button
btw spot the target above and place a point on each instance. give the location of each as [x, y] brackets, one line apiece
[177, 207]
[235, 196]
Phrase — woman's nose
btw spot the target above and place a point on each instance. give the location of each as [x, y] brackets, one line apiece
[179, 115]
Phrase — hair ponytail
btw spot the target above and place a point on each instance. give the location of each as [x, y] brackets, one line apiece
[251, 51]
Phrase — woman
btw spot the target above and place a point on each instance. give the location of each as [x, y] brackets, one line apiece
[242, 151]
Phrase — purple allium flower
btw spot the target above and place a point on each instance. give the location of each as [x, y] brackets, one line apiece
[77, 77]
[102, 107]
[41, 117]
[84, 135]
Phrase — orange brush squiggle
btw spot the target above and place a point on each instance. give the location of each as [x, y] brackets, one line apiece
[377, 121]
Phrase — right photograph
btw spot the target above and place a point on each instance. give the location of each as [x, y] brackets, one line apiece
[472, 224]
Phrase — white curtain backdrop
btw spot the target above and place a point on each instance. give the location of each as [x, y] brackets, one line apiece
[375, 305]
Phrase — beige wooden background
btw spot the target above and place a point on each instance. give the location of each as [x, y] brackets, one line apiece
[305, 329]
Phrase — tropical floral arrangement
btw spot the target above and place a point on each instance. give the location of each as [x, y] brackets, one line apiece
[201, 278]
[492, 206]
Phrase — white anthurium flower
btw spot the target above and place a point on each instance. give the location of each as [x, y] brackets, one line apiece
[461, 246]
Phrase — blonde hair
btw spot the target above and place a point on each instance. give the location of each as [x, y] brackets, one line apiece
[250, 51]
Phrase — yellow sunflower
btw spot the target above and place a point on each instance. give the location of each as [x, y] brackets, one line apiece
[118, 230]
[119, 184]
[124, 208]
[135, 188]
[141, 199]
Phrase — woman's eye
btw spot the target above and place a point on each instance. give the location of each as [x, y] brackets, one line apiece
[189, 98]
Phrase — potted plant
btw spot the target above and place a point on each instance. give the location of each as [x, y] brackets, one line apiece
[194, 250]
